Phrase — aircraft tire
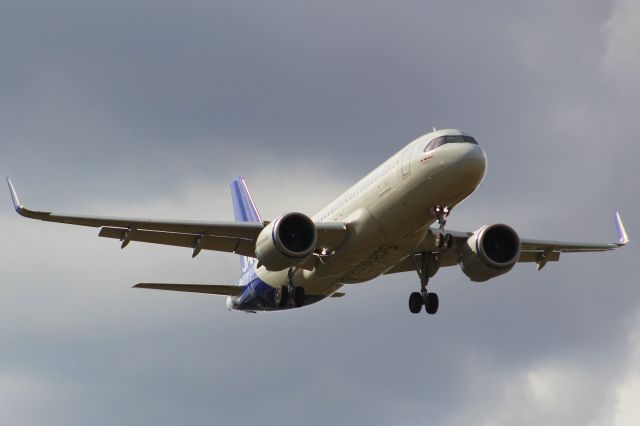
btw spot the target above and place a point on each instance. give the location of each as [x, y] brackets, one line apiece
[281, 296]
[415, 302]
[448, 241]
[431, 303]
[298, 297]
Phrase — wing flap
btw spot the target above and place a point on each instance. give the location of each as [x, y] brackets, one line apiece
[206, 242]
[445, 258]
[564, 246]
[536, 256]
[450, 258]
[220, 290]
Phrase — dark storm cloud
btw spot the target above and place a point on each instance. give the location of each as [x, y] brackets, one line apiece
[150, 108]
[146, 83]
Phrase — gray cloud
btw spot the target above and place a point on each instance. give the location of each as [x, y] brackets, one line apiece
[150, 108]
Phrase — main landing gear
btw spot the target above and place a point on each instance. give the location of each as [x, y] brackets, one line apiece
[290, 294]
[426, 269]
[442, 240]
[429, 300]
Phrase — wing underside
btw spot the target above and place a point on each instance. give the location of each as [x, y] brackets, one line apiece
[531, 251]
[231, 237]
[240, 237]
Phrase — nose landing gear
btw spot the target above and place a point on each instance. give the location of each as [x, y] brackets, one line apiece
[442, 239]
[426, 269]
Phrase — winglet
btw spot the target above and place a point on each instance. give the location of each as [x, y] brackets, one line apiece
[14, 196]
[623, 239]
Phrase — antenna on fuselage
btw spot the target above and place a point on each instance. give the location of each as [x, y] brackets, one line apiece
[434, 128]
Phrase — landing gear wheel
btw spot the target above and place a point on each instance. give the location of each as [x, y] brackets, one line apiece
[281, 296]
[415, 302]
[428, 266]
[298, 297]
[448, 241]
[431, 303]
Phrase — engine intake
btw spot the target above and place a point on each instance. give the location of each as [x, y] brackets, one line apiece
[491, 251]
[287, 241]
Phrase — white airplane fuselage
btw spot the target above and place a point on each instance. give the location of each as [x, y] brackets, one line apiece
[388, 214]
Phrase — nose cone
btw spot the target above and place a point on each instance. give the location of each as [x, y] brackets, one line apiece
[463, 169]
[473, 163]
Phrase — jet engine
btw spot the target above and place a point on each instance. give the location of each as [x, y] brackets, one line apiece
[287, 241]
[491, 251]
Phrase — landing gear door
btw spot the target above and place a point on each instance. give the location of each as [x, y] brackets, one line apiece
[407, 154]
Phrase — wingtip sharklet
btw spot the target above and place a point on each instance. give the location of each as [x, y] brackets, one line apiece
[14, 197]
[623, 238]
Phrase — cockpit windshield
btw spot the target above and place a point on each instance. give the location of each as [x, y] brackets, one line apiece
[449, 139]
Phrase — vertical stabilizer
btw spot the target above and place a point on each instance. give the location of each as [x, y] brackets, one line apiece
[244, 210]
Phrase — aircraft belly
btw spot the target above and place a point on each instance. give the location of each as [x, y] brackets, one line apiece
[313, 286]
[368, 252]
[375, 263]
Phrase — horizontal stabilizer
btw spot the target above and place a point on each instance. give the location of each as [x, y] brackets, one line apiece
[221, 290]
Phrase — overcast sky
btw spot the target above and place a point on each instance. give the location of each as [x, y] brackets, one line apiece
[150, 108]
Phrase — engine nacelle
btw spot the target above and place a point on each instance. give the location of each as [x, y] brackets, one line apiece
[491, 251]
[287, 241]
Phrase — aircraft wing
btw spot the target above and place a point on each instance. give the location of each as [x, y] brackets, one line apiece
[538, 251]
[232, 237]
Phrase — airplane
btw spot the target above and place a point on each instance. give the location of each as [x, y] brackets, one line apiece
[381, 225]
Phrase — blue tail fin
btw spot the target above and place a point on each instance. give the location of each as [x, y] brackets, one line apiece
[244, 210]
